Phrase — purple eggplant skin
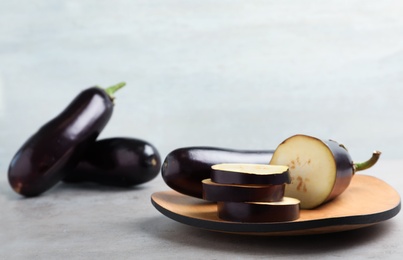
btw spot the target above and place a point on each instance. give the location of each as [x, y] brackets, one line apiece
[58, 145]
[184, 168]
[117, 161]
[344, 166]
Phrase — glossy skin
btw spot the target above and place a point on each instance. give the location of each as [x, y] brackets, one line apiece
[258, 212]
[344, 166]
[184, 169]
[42, 160]
[117, 162]
[213, 191]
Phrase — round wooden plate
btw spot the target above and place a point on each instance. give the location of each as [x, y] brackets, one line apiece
[367, 201]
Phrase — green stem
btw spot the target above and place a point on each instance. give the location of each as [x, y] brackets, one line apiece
[367, 164]
[112, 89]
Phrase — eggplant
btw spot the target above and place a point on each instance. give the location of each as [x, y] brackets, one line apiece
[185, 168]
[241, 173]
[57, 146]
[213, 191]
[285, 210]
[320, 169]
[117, 162]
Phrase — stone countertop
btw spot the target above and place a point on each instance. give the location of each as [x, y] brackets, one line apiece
[92, 221]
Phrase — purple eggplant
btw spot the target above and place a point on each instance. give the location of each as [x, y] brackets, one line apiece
[57, 146]
[117, 162]
[184, 169]
[320, 169]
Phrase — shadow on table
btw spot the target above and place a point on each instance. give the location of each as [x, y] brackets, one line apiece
[186, 236]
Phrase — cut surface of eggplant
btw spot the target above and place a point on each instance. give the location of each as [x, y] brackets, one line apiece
[239, 173]
[312, 168]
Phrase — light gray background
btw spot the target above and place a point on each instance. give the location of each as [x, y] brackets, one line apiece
[235, 74]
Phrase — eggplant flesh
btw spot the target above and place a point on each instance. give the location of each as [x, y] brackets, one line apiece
[241, 173]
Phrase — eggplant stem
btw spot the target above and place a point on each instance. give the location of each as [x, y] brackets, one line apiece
[112, 89]
[367, 164]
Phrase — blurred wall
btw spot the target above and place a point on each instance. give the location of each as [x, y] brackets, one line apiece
[235, 74]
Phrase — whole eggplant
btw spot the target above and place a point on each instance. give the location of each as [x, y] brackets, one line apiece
[117, 162]
[184, 169]
[47, 155]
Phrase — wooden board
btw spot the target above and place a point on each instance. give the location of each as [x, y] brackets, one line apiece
[367, 201]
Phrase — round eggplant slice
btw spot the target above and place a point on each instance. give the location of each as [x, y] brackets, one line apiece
[237, 173]
[240, 193]
[285, 210]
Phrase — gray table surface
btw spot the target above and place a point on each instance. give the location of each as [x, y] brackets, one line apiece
[234, 74]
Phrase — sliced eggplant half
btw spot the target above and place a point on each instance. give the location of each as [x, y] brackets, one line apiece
[320, 169]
